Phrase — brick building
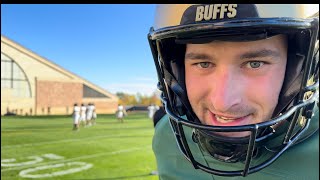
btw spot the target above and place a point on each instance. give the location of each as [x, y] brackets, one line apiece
[32, 85]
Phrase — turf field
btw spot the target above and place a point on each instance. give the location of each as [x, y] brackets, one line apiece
[47, 147]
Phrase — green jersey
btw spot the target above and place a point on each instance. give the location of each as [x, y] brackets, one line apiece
[299, 162]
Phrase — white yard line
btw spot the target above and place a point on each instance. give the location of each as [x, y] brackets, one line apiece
[78, 158]
[63, 141]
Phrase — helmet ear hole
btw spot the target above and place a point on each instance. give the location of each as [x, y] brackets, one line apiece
[177, 68]
[179, 106]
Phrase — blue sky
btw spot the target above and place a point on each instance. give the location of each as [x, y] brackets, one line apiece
[102, 43]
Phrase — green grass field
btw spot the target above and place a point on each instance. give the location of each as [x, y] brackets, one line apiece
[47, 148]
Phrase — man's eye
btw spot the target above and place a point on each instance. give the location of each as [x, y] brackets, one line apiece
[254, 64]
[204, 64]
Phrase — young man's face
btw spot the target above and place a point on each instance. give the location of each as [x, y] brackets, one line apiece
[235, 83]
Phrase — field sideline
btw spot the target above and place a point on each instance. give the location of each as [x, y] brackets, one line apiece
[45, 147]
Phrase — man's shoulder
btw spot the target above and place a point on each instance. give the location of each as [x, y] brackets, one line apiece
[299, 162]
[159, 115]
[161, 122]
[163, 135]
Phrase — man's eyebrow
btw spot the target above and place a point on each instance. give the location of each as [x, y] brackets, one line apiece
[199, 56]
[247, 55]
[260, 53]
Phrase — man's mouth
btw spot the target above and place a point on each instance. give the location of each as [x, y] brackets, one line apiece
[219, 120]
[223, 119]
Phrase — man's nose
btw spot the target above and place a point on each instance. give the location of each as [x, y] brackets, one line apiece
[227, 90]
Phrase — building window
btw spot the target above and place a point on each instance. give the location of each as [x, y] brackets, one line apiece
[91, 93]
[12, 76]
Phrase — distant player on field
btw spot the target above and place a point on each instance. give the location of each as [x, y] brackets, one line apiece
[83, 115]
[76, 116]
[94, 114]
[152, 109]
[89, 114]
[120, 113]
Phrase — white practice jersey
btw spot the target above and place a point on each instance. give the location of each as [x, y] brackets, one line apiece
[76, 114]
